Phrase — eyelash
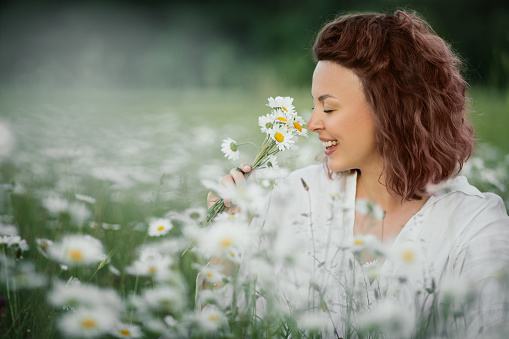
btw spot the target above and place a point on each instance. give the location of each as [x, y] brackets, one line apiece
[325, 111]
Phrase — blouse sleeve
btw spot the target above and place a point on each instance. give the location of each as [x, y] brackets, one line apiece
[484, 259]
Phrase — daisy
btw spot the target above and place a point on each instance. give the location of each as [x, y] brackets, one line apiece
[368, 207]
[230, 149]
[77, 295]
[271, 162]
[222, 237]
[280, 116]
[123, 330]
[163, 298]
[283, 137]
[297, 123]
[285, 103]
[85, 198]
[42, 246]
[88, 323]
[266, 123]
[195, 213]
[55, 205]
[159, 226]
[408, 254]
[75, 249]
[151, 265]
[211, 275]
[211, 319]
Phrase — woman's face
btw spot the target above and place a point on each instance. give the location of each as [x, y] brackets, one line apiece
[342, 118]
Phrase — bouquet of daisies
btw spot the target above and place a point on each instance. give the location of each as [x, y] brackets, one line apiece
[282, 127]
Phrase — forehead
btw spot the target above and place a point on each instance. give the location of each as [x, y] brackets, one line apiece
[332, 78]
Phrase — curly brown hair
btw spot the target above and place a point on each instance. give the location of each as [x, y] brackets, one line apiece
[412, 80]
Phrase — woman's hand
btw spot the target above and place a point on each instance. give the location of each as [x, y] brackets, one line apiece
[235, 178]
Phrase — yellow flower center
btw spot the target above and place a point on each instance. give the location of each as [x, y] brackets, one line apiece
[152, 270]
[282, 119]
[76, 255]
[297, 126]
[226, 242]
[358, 242]
[213, 318]
[88, 323]
[408, 256]
[231, 254]
[284, 108]
[160, 228]
[279, 137]
[125, 332]
[209, 274]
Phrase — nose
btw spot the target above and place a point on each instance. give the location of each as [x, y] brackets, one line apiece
[315, 123]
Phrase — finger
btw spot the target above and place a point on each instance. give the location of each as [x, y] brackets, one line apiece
[238, 176]
[211, 199]
[245, 167]
[227, 181]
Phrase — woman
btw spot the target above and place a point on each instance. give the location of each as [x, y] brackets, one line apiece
[390, 109]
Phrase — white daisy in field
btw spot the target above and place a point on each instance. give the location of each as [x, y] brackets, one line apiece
[76, 249]
[55, 204]
[123, 330]
[78, 212]
[195, 213]
[408, 254]
[266, 123]
[211, 319]
[20, 275]
[362, 241]
[87, 323]
[14, 241]
[151, 264]
[76, 295]
[8, 229]
[389, 318]
[42, 246]
[285, 103]
[85, 198]
[163, 298]
[368, 207]
[283, 137]
[211, 274]
[159, 226]
[230, 149]
[221, 237]
[313, 321]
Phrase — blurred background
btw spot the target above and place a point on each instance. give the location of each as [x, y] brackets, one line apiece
[216, 43]
[117, 78]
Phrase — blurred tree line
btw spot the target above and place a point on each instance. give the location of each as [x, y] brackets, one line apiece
[215, 43]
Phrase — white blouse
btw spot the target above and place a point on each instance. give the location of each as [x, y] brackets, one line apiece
[459, 233]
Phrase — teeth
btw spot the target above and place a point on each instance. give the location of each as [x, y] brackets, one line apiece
[329, 143]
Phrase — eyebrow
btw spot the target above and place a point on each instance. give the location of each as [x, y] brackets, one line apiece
[322, 98]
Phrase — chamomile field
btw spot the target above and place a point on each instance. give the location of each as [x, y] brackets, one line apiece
[101, 192]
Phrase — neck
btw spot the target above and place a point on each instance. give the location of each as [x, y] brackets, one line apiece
[371, 186]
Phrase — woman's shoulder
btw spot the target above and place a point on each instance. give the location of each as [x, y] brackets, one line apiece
[457, 199]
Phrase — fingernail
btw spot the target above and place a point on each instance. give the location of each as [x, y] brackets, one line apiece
[245, 167]
[227, 203]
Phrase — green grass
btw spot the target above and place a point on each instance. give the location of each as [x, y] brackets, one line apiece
[151, 133]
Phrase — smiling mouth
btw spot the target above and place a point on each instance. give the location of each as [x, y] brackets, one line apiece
[329, 144]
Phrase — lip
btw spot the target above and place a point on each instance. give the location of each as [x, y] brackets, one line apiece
[330, 150]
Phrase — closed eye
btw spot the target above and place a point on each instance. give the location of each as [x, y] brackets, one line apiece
[328, 111]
